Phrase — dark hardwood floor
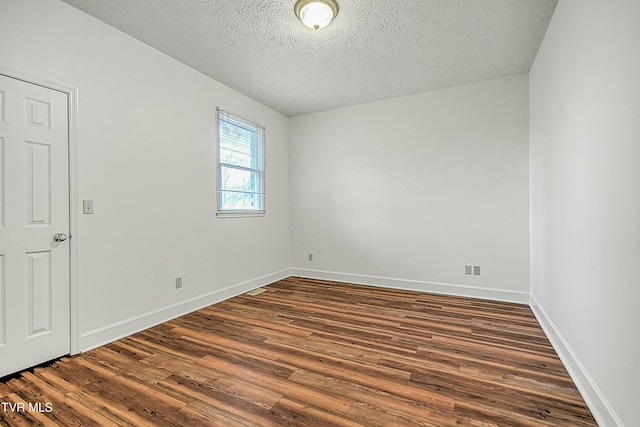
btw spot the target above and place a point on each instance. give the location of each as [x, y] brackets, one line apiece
[313, 353]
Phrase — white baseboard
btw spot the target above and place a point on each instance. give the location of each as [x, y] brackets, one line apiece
[414, 285]
[115, 331]
[601, 409]
[597, 403]
[101, 336]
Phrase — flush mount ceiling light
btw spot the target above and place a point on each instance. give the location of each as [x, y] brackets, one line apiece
[316, 13]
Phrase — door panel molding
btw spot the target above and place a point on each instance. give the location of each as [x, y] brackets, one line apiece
[3, 310]
[39, 285]
[2, 167]
[38, 184]
[39, 115]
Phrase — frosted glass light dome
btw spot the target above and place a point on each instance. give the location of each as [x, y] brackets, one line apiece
[316, 13]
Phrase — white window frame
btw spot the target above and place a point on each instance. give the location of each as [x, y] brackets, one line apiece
[258, 144]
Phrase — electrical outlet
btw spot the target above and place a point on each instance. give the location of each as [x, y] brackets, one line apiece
[178, 282]
[467, 269]
[476, 270]
[310, 257]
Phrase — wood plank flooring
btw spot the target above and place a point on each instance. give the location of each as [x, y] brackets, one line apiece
[313, 353]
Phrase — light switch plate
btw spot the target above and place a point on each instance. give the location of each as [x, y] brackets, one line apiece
[87, 207]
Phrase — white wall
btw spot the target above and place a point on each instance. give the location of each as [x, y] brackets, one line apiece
[146, 156]
[406, 192]
[402, 192]
[585, 198]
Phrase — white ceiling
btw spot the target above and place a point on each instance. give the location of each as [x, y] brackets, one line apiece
[373, 50]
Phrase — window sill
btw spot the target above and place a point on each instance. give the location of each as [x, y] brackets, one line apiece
[240, 214]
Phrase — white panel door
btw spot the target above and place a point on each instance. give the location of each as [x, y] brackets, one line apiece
[34, 207]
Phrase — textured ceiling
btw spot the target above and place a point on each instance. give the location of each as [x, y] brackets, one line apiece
[373, 50]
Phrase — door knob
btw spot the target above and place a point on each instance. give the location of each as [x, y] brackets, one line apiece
[60, 237]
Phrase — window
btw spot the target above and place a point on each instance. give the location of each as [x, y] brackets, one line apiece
[240, 166]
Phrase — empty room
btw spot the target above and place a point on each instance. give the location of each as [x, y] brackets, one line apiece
[319, 212]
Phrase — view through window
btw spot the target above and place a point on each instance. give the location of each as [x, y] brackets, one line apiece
[240, 165]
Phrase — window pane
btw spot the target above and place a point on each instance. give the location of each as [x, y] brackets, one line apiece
[240, 164]
[238, 180]
[239, 201]
[240, 189]
[236, 145]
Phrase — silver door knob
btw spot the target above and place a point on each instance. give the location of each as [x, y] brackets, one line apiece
[60, 237]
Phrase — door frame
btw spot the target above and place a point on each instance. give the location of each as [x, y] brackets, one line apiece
[74, 267]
